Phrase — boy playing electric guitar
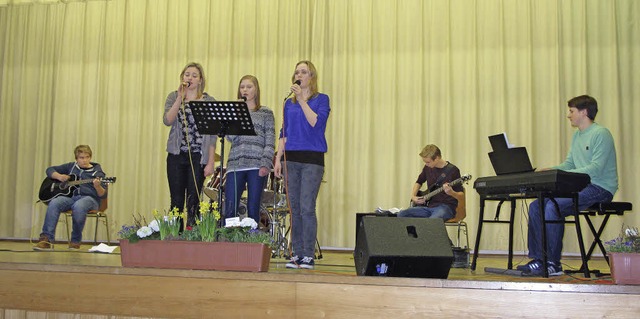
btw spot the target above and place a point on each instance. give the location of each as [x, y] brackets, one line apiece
[437, 173]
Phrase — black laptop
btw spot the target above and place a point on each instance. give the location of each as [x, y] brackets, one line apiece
[508, 160]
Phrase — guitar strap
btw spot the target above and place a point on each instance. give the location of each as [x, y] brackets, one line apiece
[445, 172]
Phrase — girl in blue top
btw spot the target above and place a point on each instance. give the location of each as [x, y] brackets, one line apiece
[302, 147]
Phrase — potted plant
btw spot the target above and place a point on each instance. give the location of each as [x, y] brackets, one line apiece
[624, 256]
[238, 246]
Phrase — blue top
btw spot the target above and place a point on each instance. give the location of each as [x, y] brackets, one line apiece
[593, 153]
[301, 136]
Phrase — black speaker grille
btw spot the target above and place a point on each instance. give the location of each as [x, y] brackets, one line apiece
[402, 247]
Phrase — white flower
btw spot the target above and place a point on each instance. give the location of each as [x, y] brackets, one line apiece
[249, 222]
[631, 232]
[144, 231]
[154, 225]
[232, 222]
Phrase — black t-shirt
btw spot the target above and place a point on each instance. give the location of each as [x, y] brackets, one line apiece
[435, 178]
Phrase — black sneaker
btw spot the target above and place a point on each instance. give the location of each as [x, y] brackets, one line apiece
[526, 266]
[535, 269]
[293, 263]
[307, 263]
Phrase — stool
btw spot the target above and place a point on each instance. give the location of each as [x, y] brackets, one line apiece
[606, 210]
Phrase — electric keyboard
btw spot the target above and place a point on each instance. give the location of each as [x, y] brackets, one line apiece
[553, 181]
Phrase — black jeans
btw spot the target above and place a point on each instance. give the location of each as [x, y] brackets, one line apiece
[181, 184]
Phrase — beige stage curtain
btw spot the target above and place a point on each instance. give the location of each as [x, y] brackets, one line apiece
[400, 74]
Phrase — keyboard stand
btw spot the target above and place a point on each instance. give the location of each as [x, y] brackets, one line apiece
[541, 196]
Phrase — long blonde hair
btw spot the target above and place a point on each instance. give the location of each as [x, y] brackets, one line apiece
[253, 80]
[201, 70]
[313, 84]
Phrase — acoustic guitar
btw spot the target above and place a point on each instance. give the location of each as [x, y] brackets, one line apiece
[52, 188]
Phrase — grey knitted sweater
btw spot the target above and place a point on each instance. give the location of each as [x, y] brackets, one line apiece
[249, 152]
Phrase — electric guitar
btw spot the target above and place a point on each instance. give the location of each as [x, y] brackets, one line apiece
[427, 197]
[52, 188]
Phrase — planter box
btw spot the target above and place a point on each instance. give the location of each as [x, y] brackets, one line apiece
[195, 255]
[625, 268]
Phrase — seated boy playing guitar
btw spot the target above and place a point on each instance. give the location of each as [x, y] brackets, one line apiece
[446, 197]
[79, 200]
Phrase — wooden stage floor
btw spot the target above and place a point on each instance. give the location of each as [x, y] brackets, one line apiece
[64, 278]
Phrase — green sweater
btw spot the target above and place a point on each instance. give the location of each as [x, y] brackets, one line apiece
[594, 153]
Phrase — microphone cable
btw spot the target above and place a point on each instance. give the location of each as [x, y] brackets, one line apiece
[185, 127]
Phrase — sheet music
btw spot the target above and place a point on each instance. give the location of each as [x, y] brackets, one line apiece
[509, 145]
[102, 248]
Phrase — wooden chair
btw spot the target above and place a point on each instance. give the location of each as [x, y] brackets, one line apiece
[98, 214]
[458, 221]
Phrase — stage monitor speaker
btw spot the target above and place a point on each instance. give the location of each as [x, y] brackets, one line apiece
[402, 247]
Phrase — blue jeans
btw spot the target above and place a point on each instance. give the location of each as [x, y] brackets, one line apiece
[79, 206]
[235, 185]
[441, 211]
[181, 182]
[303, 185]
[588, 196]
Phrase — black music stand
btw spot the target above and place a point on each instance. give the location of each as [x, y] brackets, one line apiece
[222, 118]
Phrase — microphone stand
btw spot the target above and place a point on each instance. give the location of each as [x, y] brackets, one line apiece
[222, 118]
[221, 134]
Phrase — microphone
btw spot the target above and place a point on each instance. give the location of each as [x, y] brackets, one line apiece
[291, 91]
[243, 98]
[186, 84]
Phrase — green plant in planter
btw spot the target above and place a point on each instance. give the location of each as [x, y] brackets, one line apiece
[245, 230]
[207, 224]
[627, 242]
[166, 227]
